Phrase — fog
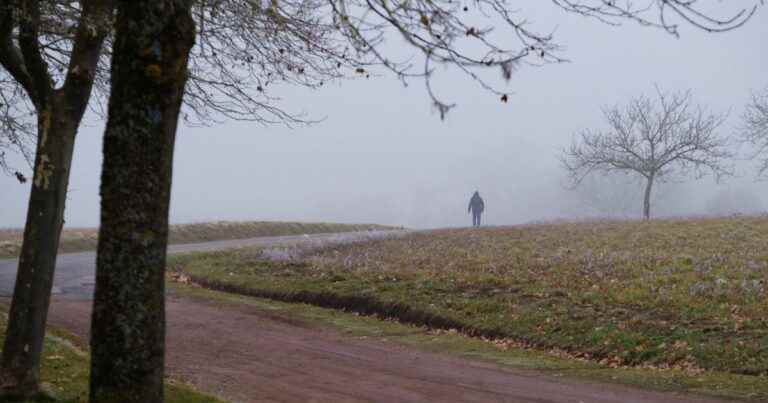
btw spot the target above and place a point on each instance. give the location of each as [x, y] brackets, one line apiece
[381, 155]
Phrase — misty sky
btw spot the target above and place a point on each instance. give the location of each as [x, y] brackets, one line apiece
[382, 155]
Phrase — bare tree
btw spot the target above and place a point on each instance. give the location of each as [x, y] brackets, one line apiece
[653, 138]
[755, 129]
[55, 54]
[57, 100]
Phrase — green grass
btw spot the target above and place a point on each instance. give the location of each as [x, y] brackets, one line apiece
[544, 363]
[83, 239]
[64, 374]
[686, 294]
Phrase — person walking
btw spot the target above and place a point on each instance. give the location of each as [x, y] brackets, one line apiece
[476, 207]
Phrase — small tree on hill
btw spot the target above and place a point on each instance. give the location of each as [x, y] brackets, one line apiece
[653, 138]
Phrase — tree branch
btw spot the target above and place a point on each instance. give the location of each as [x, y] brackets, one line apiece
[10, 55]
[754, 129]
[29, 43]
[94, 26]
[652, 139]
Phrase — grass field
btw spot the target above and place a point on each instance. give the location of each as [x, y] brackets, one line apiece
[64, 374]
[82, 239]
[686, 294]
[371, 329]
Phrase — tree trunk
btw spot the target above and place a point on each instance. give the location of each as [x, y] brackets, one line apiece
[59, 114]
[647, 198]
[149, 71]
[34, 279]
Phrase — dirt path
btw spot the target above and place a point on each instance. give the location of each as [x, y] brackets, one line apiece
[246, 355]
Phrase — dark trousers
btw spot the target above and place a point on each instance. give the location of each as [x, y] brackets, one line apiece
[476, 218]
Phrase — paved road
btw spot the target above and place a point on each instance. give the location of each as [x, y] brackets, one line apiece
[75, 272]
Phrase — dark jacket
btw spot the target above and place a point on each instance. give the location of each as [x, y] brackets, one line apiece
[476, 204]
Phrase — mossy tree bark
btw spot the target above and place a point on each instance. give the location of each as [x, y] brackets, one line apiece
[149, 71]
[59, 113]
[45, 216]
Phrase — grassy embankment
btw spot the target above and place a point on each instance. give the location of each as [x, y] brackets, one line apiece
[83, 239]
[687, 294]
[65, 368]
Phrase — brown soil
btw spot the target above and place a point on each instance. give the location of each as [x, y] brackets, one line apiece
[243, 354]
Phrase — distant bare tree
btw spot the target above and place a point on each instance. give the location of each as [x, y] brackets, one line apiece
[755, 128]
[654, 139]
